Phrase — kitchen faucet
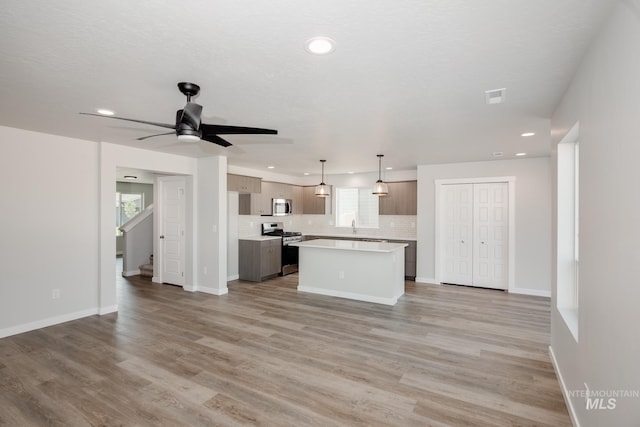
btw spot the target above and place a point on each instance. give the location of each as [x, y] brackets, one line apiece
[353, 225]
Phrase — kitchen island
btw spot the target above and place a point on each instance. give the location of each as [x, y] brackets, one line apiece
[365, 271]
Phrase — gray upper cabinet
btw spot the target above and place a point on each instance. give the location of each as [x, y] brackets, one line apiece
[277, 190]
[261, 203]
[311, 203]
[297, 199]
[243, 184]
[401, 200]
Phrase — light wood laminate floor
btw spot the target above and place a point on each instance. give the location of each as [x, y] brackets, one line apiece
[266, 354]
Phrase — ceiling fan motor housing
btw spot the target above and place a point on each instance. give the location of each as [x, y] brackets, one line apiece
[188, 121]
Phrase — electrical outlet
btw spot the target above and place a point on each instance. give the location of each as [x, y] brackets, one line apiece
[55, 293]
[214, 228]
[341, 275]
[205, 270]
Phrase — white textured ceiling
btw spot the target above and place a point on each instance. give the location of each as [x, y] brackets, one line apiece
[407, 78]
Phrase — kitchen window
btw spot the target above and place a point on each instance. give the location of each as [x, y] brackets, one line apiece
[356, 204]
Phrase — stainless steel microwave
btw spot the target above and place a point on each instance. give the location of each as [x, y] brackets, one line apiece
[281, 207]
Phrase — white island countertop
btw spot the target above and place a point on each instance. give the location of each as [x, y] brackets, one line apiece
[350, 245]
[260, 238]
[361, 236]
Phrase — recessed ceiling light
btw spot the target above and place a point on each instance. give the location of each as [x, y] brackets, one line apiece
[521, 154]
[105, 112]
[351, 172]
[527, 134]
[388, 168]
[306, 173]
[130, 177]
[270, 167]
[320, 45]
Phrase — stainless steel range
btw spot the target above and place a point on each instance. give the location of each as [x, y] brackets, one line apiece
[289, 263]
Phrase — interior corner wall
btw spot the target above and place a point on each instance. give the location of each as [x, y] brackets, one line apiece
[50, 229]
[604, 97]
[532, 217]
[212, 225]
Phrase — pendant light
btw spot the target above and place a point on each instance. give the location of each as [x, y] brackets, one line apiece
[322, 190]
[380, 188]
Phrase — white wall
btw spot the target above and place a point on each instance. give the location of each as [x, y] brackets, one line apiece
[532, 213]
[212, 225]
[50, 229]
[604, 97]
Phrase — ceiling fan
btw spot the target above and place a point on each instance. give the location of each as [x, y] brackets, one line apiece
[188, 126]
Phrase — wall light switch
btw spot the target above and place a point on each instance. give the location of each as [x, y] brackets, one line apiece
[214, 228]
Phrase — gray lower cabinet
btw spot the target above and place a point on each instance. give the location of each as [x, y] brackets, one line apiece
[259, 259]
[409, 251]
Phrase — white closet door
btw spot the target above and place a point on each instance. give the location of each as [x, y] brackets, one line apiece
[490, 235]
[456, 222]
[173, 223]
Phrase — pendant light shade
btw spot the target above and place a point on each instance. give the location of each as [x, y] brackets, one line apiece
[323, 190]
[380, 188]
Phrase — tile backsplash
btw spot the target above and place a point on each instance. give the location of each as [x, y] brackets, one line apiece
[390, 226]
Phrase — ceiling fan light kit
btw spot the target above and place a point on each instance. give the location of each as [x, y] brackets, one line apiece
[380, 188]
[322, 189]
[188, 126]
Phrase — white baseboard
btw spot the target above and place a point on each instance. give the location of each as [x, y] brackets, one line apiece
[213, 291]
[131, 273]
[233, 277]
[50, 321]
[563, 388]
[533, 292]
[107, 310]
[429, 280]
[348, 295]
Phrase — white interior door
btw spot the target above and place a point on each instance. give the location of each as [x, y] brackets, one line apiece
[172, 225]
[456, 226]
[490, 235]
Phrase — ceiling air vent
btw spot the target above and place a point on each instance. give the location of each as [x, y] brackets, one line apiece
[495, 96]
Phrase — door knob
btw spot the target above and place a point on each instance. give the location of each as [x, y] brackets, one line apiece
[162, 236]
[461, 241]
[482, 243]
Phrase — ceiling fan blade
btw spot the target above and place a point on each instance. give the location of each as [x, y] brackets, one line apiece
[234, 130]
[163, 125]
[216, 140]
[191, 115]
[157, 134]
